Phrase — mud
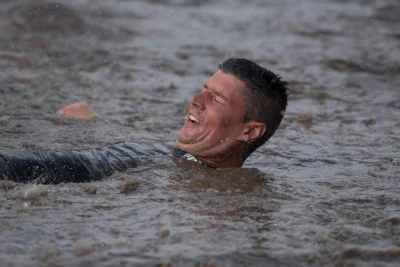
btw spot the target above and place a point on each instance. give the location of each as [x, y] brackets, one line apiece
[324, 191]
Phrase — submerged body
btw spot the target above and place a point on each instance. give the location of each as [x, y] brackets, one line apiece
[237, 110]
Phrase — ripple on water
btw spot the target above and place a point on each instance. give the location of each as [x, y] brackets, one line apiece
[45, 17]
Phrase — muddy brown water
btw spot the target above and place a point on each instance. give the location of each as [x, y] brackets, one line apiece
[324, 191]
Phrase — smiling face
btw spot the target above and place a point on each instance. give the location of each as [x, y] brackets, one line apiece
[215, 121]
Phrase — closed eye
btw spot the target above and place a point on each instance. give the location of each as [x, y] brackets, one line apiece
[219, 99]
[216, 95]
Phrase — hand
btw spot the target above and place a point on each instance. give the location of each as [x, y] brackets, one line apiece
[79, 111]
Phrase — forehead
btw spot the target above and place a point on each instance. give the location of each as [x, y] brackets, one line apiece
[226, 84]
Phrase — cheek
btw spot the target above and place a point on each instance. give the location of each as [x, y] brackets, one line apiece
[226, 123]
[220, 119]
[224, 119]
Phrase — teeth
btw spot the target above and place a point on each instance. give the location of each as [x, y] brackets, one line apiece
[193, 118]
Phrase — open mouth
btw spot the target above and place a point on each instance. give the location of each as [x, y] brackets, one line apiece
[193, 119]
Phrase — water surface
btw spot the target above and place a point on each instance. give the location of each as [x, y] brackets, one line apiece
[323, 191]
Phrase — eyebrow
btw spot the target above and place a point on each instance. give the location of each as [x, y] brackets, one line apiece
[215, 91]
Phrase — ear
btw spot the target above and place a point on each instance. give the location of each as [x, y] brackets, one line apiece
[252, 131]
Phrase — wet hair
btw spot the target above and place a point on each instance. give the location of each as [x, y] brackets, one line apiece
[266, 98]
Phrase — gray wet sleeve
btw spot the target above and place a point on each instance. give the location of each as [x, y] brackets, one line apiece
[62, 166]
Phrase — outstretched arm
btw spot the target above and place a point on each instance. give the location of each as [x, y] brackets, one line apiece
[62, 166]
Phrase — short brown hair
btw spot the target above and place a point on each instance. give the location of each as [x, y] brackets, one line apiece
[266, 98]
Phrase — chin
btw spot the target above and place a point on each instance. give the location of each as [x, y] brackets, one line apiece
[182, 141]
[186, 144]
[186, 137]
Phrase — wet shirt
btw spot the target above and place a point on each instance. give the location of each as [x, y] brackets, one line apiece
[63, 166]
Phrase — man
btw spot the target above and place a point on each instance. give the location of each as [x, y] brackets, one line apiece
[237, 110]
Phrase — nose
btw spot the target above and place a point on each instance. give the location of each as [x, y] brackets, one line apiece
[199, 100]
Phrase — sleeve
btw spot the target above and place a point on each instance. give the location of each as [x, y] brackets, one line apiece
[63, 166]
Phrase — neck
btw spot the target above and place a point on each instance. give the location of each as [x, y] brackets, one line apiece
[233, 159]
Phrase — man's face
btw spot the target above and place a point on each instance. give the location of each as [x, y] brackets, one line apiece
[215, 119]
